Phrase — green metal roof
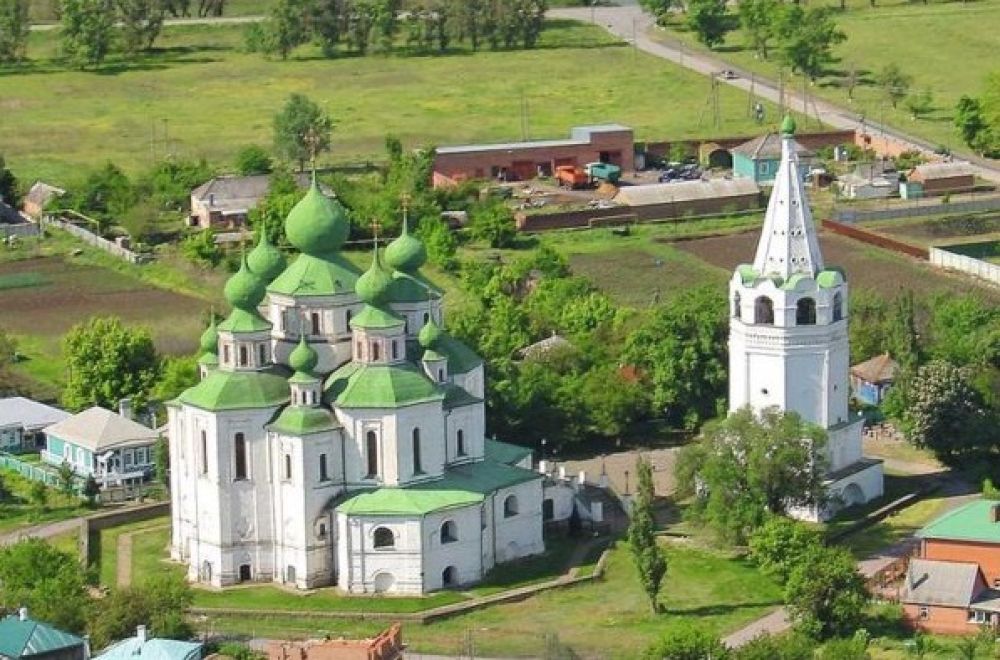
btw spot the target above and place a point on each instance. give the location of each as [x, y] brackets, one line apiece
[310, 275]
[303, 420]
[241, 320]
[22, 639]
[461, 358]
[463, 485]
[209, 360]
[410, 288]
[153, 649]
[830, 278]
[794, 280]
[456, 397]
[234, 390]
[376, 318]
[505, 452]
[972, 522]
[747, 274]
[383, 386]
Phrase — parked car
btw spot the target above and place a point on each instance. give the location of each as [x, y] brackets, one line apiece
[604, 172]
[728, 74]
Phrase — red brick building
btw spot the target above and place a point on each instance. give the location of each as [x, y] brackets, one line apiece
[519, 161]
[943, 178]
[387, 645]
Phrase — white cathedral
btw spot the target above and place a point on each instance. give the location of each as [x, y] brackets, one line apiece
[788, 341]
[337, 434]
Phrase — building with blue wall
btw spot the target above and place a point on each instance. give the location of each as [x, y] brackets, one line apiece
[759, 158]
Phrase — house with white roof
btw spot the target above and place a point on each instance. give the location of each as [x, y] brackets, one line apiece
[97, 442]
[22, 421]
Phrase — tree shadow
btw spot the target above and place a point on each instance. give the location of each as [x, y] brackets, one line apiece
[720, 609]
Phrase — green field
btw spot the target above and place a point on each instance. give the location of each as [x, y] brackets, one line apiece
[217, 98]
[18, 511]
[946, 47]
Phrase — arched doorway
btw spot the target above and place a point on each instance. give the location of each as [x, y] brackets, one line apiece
[853, 495]
[449, 577]
[383, 582]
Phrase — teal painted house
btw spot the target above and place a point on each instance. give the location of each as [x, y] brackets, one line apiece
[22, 638]
[142, 647]
[115, 450]
[759, 158]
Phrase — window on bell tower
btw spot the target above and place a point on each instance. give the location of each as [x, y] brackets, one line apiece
[838, 307]
[805, 312]
[737, 311]
[763, 311]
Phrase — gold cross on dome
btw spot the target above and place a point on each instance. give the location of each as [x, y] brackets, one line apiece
[311, 140]
[376, 226]
[405, 200]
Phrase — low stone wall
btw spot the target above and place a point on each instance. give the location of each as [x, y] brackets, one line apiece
[623, 215]
[811, 141]
[991, 203]
[872, 238]
[945, 257]
[22, 229]
[92, 525]
[98, 241]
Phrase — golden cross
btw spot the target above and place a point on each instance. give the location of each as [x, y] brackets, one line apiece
[375, 225]
[405, 199]
[311, 140]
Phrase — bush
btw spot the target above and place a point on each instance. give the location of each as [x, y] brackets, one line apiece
[780, 544]
[201, 249]
[253, 159]
[685, 642]
[789, 646]
[825, 593]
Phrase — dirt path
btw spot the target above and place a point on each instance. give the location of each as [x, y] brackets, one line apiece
[44, 531]
[124, 551]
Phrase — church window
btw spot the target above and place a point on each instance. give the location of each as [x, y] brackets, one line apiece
[440, 375]
[322, 531]
[347, 320]
[737, 311]
[460, 442]
[510, 506]
[371, 440]
[225, 354]
[427, 317]
[315, 323]
[395, 350]
[288, 466]
[383, 537]
[375, 351]
[240, 454]
[449, 532]
[763, 311]
[263, 355]
[323, 476]
[360, 349]
[838, 307]
[548, 509]
[313, 394]
[243, 356]
[417, 468]
[204, 453]
[805, 312]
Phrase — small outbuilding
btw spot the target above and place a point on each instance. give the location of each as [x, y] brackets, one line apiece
[39, 195]
[225, 201]
[23, 638]
[22, 422]
[671, 200]
[943, 178]
[872, 378]
[759, 158]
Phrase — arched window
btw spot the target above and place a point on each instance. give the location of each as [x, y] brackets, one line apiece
[510, 506]
[449, 576]
[763, 311]
[371, 442]
[243, 356]
[263, 355]
[313, 395]
[347, 320]
[204, 453]
[395, 350]
[737, 306]
[225, 354]
[323, 476]
[315, 323]
[440, 375]
[838, 307]
[383, 537]
[360, 349]
[460, 442]
[427, 317]
[240, 452]
[375, 351]
[417, 467]
[449, 532]
[805, 312]
[288, 466]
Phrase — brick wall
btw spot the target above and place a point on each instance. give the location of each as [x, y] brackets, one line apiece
[940, 620]
[875, 239]
[987, 555]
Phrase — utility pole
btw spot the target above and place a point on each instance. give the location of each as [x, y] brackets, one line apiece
[524, 115]
[781, 92]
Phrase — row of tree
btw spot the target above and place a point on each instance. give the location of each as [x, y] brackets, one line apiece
[358, 26]
[978, 118]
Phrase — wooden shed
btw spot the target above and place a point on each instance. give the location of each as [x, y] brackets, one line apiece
[943, 178]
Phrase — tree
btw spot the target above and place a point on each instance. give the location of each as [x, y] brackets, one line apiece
[964, 330]
[105, 195]
[788, 646]
[973, 126]
[253, 159]
[106, 362]
[285, 28]
[493, 223]
[854, 647]
[67, 478]
[87, 30]
[750, 465]
[49, 582]
[825, 594]
[91, 490]
[159, 601]
[177, 374]
[920, 103]
[9, 193]
[38, 493]
[141, 22]
[649, 559]
[439, 241]
[15, 25]
[201, 248]
[686, 642]
[163, 462]
[708, 20]
[807, 38]
[780, 544]
[301, 129]
[894, 83]
[758, 19]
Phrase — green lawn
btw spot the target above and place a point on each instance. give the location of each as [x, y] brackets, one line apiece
[217, 98]
[18, 512]
[896, 527]
[106, 553]
[946, 47]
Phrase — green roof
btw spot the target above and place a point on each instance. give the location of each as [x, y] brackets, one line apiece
[972, 522]
[241, 320]
[407, 288]
[152, 649]
[209, 359]
[794, 280]
[830, 278]
[461, 358]
[21, 639]
[244, 289]
[463, 485]
[317, 224]
[406, 253]
[234, 390]
[310, 275]
[376, 318]
[456, 397]
[504, 452]
[747, 274]
[382, 386]
[265, 260]
[302, 420]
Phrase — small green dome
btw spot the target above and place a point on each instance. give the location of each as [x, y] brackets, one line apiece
[209, 341]
[244, 290]
[303, 359]
[788, 125]
[317, 225]
[374, 283]
[265, 260]
[430, 334]
[407, 253]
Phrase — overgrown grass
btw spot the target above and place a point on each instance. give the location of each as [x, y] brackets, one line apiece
[18, 511]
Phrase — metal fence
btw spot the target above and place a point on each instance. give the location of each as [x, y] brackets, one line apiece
[894, 208]
[33, 471]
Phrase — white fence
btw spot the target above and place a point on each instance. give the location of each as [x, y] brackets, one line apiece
[976, 267]
[21, 229]
[97, 241]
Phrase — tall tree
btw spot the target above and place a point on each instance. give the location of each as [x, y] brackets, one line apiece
[709, 21]
[807, 38]
[15, 24]
[894, 83]
[758, 19]
[9, 192]
[285, 28]
[106, 362]
[825, 593]
[49, 582]
[649, 559]
[141, 22]
[87, 30]
[301, 129]
[973, 126]
[780, 544]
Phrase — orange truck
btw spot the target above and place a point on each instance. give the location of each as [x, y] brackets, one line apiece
[571, 176]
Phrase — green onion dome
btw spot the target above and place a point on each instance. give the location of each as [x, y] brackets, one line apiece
[266, 261]
[430, 334]
[788, 125]
[209, 341]
[303, 359]
[374, 283]
[317, 225]
[244, 290]
[407, 253]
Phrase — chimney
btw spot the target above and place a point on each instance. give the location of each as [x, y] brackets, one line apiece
[140, 634]
[125, 408]
[995, 513]
[22, 614]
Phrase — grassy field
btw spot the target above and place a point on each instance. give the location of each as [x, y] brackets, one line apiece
[217, 98]
[19, 512]
[946, 47]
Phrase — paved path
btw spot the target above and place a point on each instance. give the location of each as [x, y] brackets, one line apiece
[43, 531]
[631, 24]
[217, 20]
[774, 623]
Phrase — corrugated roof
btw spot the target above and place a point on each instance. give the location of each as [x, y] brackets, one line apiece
[579, 136]
[685, 191]
[931, 582]
[505, 452]
[153, 649]
[19, 411]
[20, 639]
[941, 170]
[972, 522]
[766, 146]
[98, 428]
[879, 369]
